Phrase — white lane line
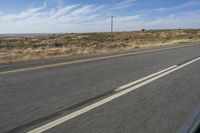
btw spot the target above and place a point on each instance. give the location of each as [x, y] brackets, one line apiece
[106, 100]
[143, 79]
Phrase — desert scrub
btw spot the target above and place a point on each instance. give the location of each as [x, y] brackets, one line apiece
[56, 44]
[36, 47]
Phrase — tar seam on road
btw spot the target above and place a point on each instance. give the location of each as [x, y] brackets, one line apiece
[108, 99]
[59, 113]
[90, 59]
[83, 103]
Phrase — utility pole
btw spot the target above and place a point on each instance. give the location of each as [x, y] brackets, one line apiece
[112, 24]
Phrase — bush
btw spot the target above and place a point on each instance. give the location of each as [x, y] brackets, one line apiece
[126, 39]
[190, 37]
[56, 44]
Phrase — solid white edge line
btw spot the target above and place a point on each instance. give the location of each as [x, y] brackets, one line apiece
[142, 79]
[104, 101]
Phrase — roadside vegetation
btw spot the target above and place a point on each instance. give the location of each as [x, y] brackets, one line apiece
[14, 49]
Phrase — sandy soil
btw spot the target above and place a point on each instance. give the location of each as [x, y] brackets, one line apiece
[17, 49]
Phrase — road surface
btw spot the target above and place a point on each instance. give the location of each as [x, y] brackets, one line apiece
[147, 91]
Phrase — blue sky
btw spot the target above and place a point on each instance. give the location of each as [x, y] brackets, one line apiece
[64, 16]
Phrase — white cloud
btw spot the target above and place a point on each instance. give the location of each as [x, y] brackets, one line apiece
[124, 4]
[183, 20]
[174, 21]
[61, 11]
[21, 15]
[63, 19]
[188, 4]
[191, 3]
[159, 9]
[88, 18]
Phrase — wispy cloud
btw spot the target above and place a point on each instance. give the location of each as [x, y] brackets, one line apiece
[191, 3]
[124, 4]
[181, 20]
[56, 13]
[88, 18]
[69, 18]
[188, 4]
[22, 15]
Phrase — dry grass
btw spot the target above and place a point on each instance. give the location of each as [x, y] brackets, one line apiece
[42, 47]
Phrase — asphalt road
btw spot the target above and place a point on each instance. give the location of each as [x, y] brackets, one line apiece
[32, 98]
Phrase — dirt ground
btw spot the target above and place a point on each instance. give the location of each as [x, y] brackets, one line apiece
[15, 49]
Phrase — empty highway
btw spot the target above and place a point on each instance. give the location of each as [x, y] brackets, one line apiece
[144, 91]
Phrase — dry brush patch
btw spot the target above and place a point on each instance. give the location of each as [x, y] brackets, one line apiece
[41, 47]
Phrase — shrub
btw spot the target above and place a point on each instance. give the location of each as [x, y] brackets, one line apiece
[56, 44]
[190, 37]
[126, 39]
